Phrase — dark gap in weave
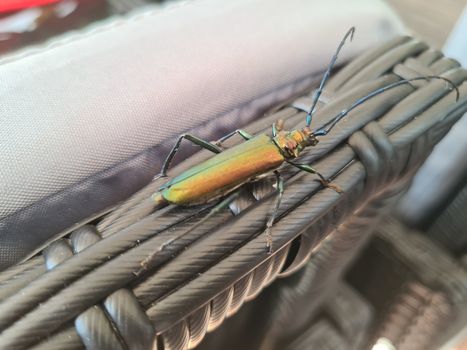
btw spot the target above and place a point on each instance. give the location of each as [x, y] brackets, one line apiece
[114, 327]
[292, 253]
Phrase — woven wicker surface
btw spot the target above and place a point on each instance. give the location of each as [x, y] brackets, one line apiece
[91, 296]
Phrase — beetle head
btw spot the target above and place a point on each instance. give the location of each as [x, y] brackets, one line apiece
[292, 143]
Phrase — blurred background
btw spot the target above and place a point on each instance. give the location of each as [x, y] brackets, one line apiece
[24, 22]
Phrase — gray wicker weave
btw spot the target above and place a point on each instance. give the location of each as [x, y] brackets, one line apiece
[83, 290]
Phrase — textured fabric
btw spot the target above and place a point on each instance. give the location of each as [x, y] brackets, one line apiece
[87, 119]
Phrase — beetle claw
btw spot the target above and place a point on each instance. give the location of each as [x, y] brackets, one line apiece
[280, 125]
[332, 186]
[269, 240]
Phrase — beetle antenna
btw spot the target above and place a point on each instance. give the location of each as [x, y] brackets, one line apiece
[318, 92]
[330, 124]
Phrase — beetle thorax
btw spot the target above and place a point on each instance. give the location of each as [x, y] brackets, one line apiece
[292, 143]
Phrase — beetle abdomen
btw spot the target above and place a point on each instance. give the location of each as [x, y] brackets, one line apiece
[224, 172]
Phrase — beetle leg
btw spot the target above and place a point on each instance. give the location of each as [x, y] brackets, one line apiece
[280, 188]
[310, 170]
[145, 264]
[217, 208]
[240, 132]
[196, 140]
[277, 126]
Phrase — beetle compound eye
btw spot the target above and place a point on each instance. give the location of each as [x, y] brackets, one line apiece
[312, 140]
